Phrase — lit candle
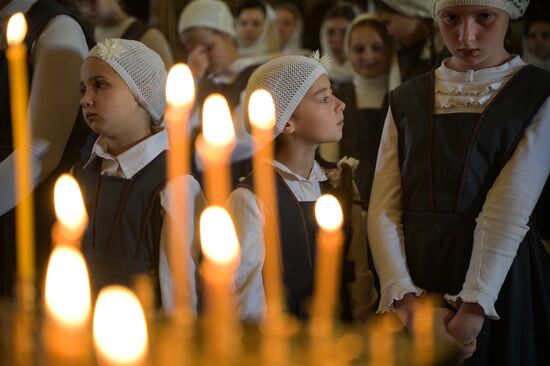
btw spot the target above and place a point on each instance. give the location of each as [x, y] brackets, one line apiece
[221, 251]
[261, 112]
[120, 331]
[19, 95]
[214, 147]
[70, 211]
[180, 93]
[67, 302]
[328, 264]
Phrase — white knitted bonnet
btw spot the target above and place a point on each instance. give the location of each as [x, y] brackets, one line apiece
[287, 79]
[411, 8]
[142, 70]
[213, 14]
[514, 8]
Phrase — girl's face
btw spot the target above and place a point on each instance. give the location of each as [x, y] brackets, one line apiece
[108, 105]
[538, 39]
[250, 25]
[319, 117]
[474, 35]
[218, 47]
[285, 24]
[369, 55]
[335, 32]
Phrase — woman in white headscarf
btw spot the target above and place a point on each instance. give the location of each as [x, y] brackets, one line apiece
[371, 52]
[332, 33]
[290, 25]
[256, 30]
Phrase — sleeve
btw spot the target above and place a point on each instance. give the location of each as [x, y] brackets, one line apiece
[53, 100]
[385, 229]
[363, 294]
[155, 40]
[502, 224]
[195, 205]
[248, 219]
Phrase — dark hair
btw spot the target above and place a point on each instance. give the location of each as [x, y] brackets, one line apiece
[379, 27]
[290, 6]
[341, 9]
[380, 5]
[251, 4]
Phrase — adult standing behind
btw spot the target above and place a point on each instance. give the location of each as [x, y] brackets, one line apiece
[371, 52]
[57, 45]
[410, 23]
[332, 34]
[290, 25]
[256, 30]
[461, 166]
[111, 21]
[536, 45]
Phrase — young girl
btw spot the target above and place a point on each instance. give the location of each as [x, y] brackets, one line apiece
[124, 180]
[370, 51]
[462, 162]
[207, 32]
[307, 114]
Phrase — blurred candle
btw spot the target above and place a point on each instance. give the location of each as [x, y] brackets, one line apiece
[261, 113]
[221, 251]
[214, 147]
[67, 302]
[328, 264]
[180, 94]
[19, 95]
[72, 218]
[120, 331]
[423, 331]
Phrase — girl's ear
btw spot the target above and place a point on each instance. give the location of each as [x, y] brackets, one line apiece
[289, 127]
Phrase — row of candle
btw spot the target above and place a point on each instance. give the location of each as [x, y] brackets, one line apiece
[67, 289]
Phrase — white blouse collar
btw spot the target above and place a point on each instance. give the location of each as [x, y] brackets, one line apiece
[445, 73]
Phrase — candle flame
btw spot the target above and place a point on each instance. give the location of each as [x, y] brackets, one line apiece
[69, 206]
[328, 212]
[17, 28]
[120, 331]
[68, 287]
[180, 88]
[218, 237]
[217, 125]
[261, 110]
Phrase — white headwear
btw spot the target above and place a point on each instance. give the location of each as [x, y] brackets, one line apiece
[514, 8]
[412, 8]
[213, 14]
[141, 68]
[268, 41]
[287, 79]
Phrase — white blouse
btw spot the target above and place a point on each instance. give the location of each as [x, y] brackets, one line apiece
[502, 223]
